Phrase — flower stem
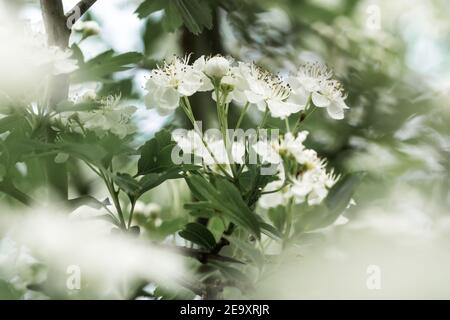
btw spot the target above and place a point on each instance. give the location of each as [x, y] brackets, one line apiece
[241, 116]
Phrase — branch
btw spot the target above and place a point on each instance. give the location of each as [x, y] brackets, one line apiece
[9, 189]
[58, 35]
[55, 23]
[78, 11]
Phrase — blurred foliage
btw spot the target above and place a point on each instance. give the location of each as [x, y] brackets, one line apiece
[396, 130]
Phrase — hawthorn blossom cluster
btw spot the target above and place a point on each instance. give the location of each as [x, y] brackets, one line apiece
[302, 174]
[245, 83]
[108, 116]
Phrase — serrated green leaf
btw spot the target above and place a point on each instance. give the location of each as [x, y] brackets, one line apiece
[198, 234]
[104, 65]
[341, 193]
[149, 6]
[196, 14]
[172, 19]
[225, 198]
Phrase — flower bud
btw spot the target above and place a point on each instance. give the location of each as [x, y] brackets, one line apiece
[217, 67]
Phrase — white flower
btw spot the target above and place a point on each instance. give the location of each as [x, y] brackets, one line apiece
[167, 84]
[267, 90]
[62, 63]
[331, 96]
[109, 117]
[306, 81]
[26, 60]
[275, 199]
[273, 151]
[213, 153]
[312, 184]
[216, 67]
[18, 266]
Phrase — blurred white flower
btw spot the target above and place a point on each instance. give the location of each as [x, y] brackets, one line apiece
[110, 116]
[331, 96]
[88, 28]
[26, 59]
[306, 81]
[18, 267]
[110, 263]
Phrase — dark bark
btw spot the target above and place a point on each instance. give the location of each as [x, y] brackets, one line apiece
[58, 35]
[207, 43]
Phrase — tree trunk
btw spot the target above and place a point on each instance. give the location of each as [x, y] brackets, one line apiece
[58, 35]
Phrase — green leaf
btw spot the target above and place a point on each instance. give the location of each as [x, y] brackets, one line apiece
[277, 216]
[149, 6]
[104, 65]
[156, 154]
[198, 234]
[225, 198]
[333, 206]
[341, 193]
[127, 183]
[11, 122]
[270, 230]
[86, 201]
[69, 106]
[172, 19]
[196, 14]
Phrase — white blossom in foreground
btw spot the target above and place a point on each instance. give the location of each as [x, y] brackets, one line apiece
[172, 81]
[18, 267]
[86, 243]
[26, 60]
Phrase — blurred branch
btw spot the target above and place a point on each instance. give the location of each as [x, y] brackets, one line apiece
[78, 11]
[58, 35]
[8, 188]
[55, 23]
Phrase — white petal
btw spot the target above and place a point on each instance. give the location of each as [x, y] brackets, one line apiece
[281, 109]
[253, 97]
[320, 100]
[199, 64]
[336, 111]
[189, 85]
